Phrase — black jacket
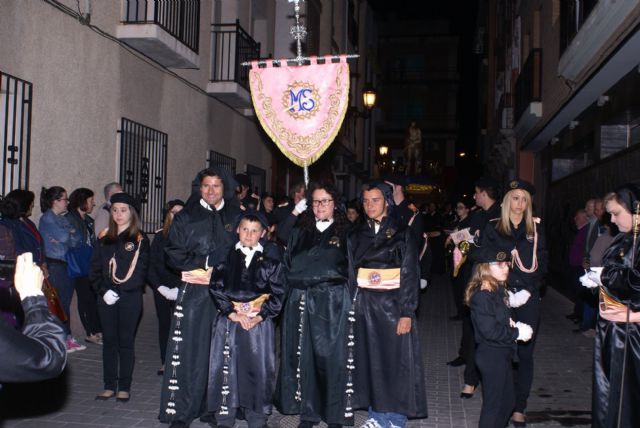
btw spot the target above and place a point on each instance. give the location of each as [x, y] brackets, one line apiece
[518, 239]
[621, 280]
[490, 316]
[38, 352]
[124, 250]
[201, 238]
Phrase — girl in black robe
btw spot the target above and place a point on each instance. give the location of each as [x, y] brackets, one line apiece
[388, 378]
[313, 368]
[616, 381]
[248, 292]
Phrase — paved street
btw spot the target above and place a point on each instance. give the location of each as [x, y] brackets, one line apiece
[561, 394]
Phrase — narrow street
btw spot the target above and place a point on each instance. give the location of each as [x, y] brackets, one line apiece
[561, 393]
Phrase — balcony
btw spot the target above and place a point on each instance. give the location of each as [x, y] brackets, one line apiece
[528, 102]
[587, 34]
[231, 45]
[166, 31]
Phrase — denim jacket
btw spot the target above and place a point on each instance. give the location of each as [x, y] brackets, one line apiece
[58, 235]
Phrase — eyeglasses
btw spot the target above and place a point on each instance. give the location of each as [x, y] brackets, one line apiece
[323, 202]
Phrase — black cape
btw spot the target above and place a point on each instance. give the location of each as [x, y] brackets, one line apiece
[389, 375]
[251, 364]
[622, 282]
[318, 296]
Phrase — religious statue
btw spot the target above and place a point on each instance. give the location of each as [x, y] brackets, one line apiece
[413, 150]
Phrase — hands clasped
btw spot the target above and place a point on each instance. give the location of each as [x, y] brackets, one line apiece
[525, 332]
[245, 322]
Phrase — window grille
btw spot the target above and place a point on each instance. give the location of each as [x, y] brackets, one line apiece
[15, 129]
[258, 178]
[217, 159]
[143, 170]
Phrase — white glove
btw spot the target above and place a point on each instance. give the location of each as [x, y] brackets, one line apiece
[110, 297]
[594, 274]
[301, 206]
[423, 284]
[524, 331]
[168, 293]
[519, 298]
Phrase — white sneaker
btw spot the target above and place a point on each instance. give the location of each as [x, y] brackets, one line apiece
[370, 423]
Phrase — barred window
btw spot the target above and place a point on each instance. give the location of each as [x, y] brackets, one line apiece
[143, 170]
[258, 179]
[217, 159]
[15, 129]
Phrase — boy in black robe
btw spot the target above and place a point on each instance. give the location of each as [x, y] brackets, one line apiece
[248, 292]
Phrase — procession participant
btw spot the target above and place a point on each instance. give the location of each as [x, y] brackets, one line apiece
[616, 364]
[164, 281]
[248, 291]
[199, 240]
[520, 234]
[313, 368]
[118, 270]
[383, 267]
[496, 334]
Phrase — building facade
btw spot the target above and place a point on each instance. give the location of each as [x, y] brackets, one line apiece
[141, 92]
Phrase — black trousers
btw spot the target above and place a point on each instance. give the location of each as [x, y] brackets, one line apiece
[119, 324]
[468, 348]
[164, 312]
[254, 419]
[497, 385]
[87, 305]
[529, 313]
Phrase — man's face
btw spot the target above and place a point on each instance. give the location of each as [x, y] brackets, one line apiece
[480, 196]
[374, 204]
[250, 232]
[212, 190]
[590, 207]
[298, 196]
[352, 214]
[598, 209]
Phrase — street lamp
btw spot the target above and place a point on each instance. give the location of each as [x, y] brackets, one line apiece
[368, 96]
[383, 150]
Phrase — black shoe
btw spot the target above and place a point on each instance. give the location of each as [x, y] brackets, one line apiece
[104, 396]
[178, 424]
[518, 424]
[305, 424]
[467, 395]
[459, 361]
[160, 372]
[209, 418]
[123, 398]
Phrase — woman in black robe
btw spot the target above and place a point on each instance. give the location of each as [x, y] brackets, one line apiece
[616, 381]
[313, 373]
[388, 378]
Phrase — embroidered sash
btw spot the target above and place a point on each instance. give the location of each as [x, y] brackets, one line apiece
[379, 279]
[252, 308]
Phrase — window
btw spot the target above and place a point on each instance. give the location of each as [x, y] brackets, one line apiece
[258, 178]
[573, 14]
[220, 160]
[15, 131]
[143, 170]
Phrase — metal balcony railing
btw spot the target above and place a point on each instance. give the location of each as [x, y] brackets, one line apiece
[529, 84]
[231, 45]
[180, 18]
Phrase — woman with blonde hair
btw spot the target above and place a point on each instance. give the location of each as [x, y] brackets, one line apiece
[495, 334]
[518, 233]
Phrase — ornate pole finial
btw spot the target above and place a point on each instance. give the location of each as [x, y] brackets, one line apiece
[298, 31]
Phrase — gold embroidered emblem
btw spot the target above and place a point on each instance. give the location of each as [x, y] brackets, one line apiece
[501, 256]
[334, 240]
[390, 232]
[129, 246]
[301, 100]
[514, 184]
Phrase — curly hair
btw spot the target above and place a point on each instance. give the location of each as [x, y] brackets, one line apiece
[307, 220]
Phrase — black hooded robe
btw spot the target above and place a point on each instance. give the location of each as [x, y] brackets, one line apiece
[388, 375]
[198, 238]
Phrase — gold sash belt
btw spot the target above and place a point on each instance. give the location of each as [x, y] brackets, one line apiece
[612, 310]
[252, 308]
[379, 279]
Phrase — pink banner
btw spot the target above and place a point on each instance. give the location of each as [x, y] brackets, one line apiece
[301, 107]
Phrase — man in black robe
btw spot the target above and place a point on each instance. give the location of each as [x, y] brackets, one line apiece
[199, 240]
